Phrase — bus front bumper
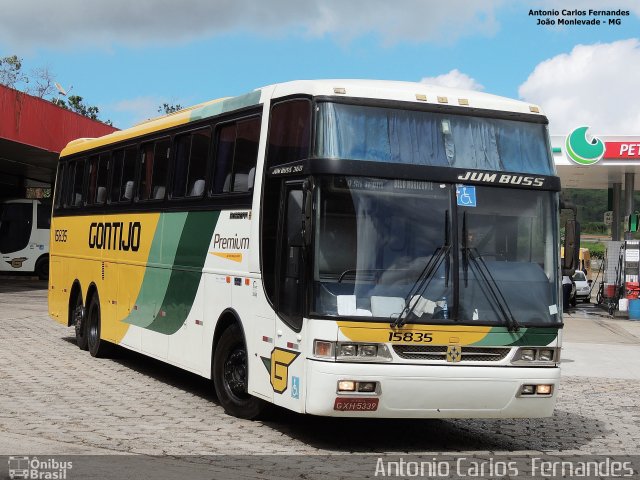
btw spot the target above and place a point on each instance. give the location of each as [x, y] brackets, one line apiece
[429, 391]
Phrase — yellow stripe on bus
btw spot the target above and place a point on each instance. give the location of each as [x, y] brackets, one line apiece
[431, 334]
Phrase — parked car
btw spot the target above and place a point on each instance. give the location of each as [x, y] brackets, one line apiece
[583, 288]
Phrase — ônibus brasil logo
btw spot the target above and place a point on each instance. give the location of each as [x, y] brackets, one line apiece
[582, 150]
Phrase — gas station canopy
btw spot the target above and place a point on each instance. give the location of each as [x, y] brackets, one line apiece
[33, 131]
[621, 156]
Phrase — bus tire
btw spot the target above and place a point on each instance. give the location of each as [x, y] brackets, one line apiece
[97, 347]
[42, 268]
[230, 375]
[80, 321]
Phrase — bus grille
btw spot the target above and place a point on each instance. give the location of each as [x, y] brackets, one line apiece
[439, 352]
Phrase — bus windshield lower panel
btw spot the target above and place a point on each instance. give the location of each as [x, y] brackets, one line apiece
[386, 248]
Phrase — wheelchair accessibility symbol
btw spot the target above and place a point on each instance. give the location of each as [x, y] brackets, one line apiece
[466, 196]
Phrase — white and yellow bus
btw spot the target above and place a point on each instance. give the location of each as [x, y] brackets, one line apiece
[335, 247]
[24, 236]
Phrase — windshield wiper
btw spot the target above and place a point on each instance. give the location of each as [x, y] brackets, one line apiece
[421, 284]
[425, 277]
[488, 279]
[494, 290]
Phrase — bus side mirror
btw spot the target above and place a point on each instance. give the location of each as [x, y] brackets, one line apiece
[571, 247]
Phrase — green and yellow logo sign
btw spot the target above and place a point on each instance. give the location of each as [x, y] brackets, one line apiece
[583, 151]
[278, 367]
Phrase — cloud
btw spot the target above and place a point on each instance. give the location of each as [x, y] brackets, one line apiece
[82, 22]
[594, 85]
[454, 79]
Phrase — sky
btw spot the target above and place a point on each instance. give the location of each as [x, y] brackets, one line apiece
[129, 57]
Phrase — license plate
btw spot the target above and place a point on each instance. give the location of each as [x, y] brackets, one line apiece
[356, 404]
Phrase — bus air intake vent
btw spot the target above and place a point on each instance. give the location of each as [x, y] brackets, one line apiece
[439, 352]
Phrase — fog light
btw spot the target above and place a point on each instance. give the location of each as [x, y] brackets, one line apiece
[368, 350]
[348, 350]
[544, 389]
[346, 386]
[367, 386]
[528, 354]
[323, 349]
[545, 355]
[528, 390]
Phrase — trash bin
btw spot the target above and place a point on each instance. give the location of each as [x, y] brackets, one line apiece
[634, 309]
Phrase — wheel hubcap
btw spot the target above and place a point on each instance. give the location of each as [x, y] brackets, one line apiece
[235, 373]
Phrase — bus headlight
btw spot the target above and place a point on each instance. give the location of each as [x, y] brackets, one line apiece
[536, 355]
[347, 350]
[528, 355]
[351, 351]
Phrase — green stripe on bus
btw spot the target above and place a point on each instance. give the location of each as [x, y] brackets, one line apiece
[228, 105]
[187, 272]
[158, 272]
[524, 337]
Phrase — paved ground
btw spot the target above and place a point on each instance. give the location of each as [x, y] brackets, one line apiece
[57, 400]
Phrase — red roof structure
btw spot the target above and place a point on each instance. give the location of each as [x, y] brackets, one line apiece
[33, 131]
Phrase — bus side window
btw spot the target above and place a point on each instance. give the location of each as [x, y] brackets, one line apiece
[289, 132]
[76, 199]
[92, 179]
[236, 156]
[154, 164]
[44, 216]
[128, 175]
[190, 164]
[103, 168]
[123, 175]
[289, 140]
[116, 176]
[58, 192]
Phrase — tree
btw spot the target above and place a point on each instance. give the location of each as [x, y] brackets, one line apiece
[11, 72]
[167, 108]
[43, 83]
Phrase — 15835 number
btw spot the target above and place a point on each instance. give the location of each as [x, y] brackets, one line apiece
[418, 337]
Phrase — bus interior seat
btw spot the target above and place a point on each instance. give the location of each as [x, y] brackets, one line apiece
[101, 194]
[197, 189]
[252, 178]
[158, 192]
[240, 183]
[128, 190]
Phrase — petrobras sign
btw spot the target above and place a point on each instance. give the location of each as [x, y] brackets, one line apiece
[618, 150]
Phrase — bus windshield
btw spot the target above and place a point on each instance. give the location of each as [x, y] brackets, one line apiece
[392, 135]
[384, 248]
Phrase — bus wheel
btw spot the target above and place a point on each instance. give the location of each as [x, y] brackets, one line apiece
[80, 322]
[230, 374]
[97, 346]
[42, 268]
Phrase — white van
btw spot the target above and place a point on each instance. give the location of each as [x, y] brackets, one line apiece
[24, 236]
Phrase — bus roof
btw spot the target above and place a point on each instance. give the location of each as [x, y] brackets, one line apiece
[371, 89]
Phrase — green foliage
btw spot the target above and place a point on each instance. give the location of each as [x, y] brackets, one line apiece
[167, 108]
[11, 72]
[596, 249]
